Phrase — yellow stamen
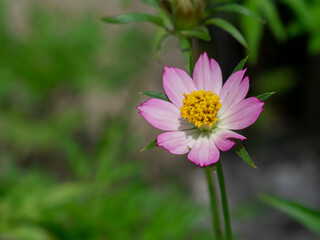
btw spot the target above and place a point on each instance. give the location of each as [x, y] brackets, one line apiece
[201, 107]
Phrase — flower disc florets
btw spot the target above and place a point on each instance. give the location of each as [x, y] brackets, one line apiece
[201, 107]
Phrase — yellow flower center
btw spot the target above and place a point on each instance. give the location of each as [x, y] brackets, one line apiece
[201, 107]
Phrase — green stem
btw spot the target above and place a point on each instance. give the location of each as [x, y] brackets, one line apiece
[214, 206]
[224, 201]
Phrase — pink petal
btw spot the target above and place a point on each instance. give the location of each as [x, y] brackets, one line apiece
[204, 152]
[236, 95]
[207, 74]
[163, 115]
[176, 82]
[178, 142]
[222, 138]
[241, 115]
[231, 86]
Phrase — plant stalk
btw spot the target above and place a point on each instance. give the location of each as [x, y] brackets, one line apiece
[224, 201]
[214, 205]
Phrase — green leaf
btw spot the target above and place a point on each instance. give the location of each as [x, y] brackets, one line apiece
[237, 8]
[268, 8]
[133, 17]
[155, 95]
[229, 28]
[150, 146]
[308, 217]
[199, 32]
[153, 3]
[242, 153]
[240, 65]
[252, 30]
[303, 11]
[265, 96]
[185, 47]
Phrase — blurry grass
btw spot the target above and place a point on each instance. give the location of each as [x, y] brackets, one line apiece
[113, 203]
[43, 136]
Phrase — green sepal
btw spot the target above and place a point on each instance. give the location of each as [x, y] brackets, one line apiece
[240, 65]
[238, 8]
[265, 96]
[229, 28]
[242, 153]
[199, 32]
[133, 17]
[310, 218]
[151, 145]
[155, 95]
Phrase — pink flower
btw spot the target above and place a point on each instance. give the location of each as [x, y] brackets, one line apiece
[202, 112]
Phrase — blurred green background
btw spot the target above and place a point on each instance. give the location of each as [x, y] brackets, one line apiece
[70, 135]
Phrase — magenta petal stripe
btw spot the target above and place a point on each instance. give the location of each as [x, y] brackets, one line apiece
[241, 115]
[204, 151]
[176, 82]
[207, 74]
[222, 138]
[178, 142]
[163, 115]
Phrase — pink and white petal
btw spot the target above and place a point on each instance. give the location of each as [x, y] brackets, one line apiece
[231, 86]
[163, 115]
[207, 74]
[222, 137]
[236, 95]
[178, 142]
[241, 115]
[204, 152]
[176, 82]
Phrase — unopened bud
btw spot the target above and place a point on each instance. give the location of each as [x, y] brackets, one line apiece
[185, 14]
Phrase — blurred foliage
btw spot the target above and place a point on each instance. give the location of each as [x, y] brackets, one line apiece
[307, 216]
[57, 181]
[286, 19]
[114, 202]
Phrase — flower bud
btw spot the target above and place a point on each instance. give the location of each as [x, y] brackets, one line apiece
[185, 14]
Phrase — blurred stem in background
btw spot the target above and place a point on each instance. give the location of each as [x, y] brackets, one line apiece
[224, 201]
[214, 205]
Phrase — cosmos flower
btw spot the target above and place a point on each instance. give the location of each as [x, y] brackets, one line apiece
[202, 113]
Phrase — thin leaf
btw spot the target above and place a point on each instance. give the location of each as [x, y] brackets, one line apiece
[229, 28]
[252, 30]
[237, 8]
[155, 95]
[133, 17]
[265, 96]
[308, 217]
[240, 65]
[153, 3]
[302, 10]
[268, 8]
[242, 153]
[185, 47]
[199, 32]
[150, 146]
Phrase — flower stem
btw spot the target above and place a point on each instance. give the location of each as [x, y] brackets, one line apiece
[214, 206]
[225, 208]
